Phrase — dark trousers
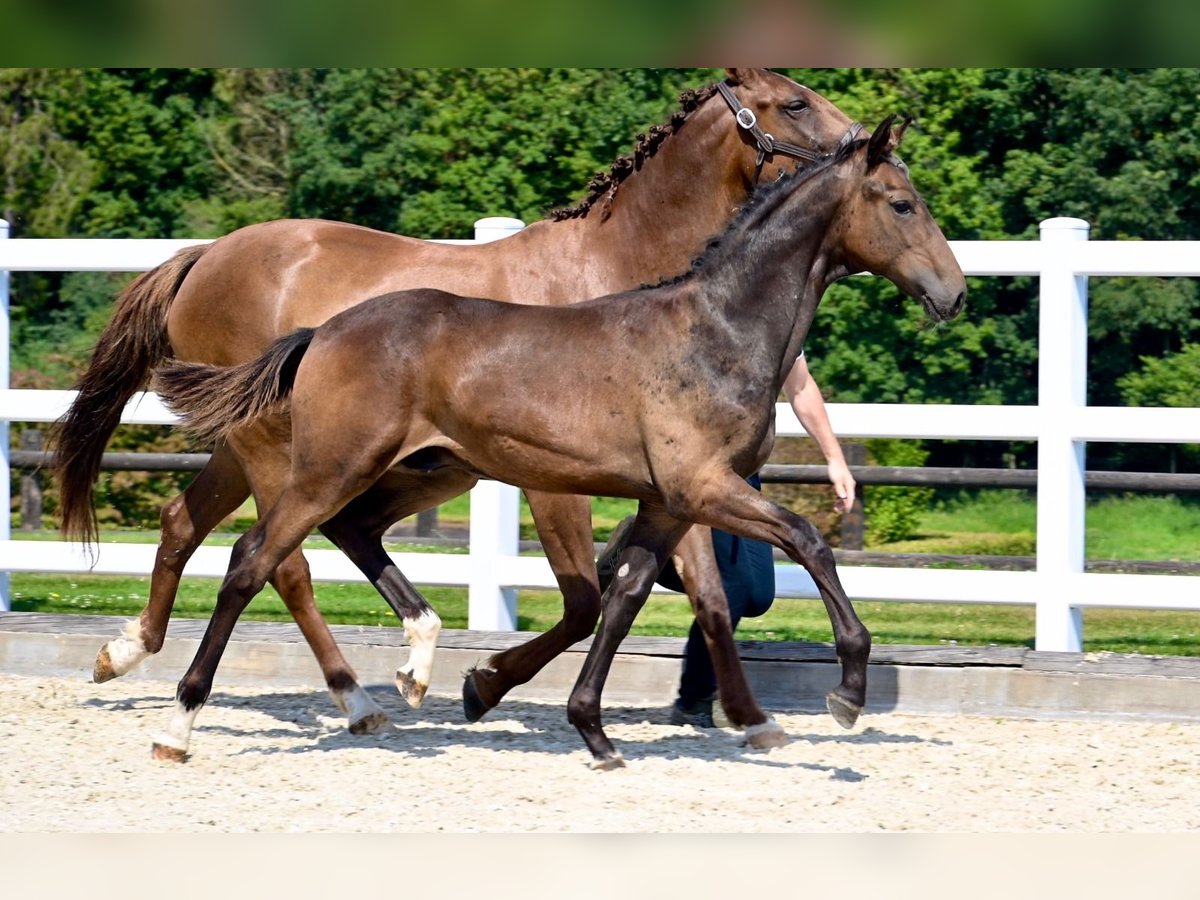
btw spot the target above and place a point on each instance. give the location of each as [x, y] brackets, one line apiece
[748, 576]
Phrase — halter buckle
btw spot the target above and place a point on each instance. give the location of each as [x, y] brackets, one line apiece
[745, 117]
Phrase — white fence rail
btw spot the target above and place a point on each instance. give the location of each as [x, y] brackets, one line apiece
[1061, 423]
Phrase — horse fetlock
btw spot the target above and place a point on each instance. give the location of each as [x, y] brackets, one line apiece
[365, 716]
[765, 735]
[410, 688]
[121, 655]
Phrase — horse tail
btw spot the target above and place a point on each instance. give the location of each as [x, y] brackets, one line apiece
[131, 344]
[214, 400]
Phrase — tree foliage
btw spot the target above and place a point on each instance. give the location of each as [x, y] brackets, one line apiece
[199, 152]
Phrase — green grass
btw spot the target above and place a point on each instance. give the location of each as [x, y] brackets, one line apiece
[997, 522]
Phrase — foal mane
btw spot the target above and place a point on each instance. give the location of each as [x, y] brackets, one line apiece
[761, 204]
[603, 185]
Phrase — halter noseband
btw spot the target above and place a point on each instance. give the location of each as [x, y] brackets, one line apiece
[767, 144]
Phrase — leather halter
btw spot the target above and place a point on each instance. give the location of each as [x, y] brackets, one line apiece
[767, 144]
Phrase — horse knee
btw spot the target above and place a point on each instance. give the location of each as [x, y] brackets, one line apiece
[291, 575]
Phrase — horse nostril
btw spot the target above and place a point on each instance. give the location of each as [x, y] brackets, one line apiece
[959, 302]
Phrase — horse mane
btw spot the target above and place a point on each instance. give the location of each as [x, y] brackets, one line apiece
[603, 185]
[761, 203]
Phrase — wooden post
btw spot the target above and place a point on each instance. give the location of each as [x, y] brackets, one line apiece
[852, 522]
[427, 521]
[31, 483]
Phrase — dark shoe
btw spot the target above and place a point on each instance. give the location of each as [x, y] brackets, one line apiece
[606, 562]
[698, 714]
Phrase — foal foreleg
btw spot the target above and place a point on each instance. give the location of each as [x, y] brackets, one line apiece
[187, 519]
[697, 568]
[730, 504]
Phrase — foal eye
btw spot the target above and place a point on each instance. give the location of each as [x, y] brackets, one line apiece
[903, 207]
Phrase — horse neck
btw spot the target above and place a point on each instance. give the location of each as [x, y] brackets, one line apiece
[769, 274]
[663, 214]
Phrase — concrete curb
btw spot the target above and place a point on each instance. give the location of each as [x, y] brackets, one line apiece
[998, 682]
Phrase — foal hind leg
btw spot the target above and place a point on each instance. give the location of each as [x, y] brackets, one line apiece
[652, 538]
[266, 467]
[187, 519]
[564, 524]
[253, 560]
[697, 567]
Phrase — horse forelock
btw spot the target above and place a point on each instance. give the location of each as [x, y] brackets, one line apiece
[604, 185]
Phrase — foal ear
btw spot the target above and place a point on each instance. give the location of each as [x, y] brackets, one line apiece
[881, 144]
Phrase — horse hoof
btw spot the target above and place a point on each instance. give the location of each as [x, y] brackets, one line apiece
[474, 708]
[103, 670]
[410, 689]
[843, 711]
[372, 723]
[765, 735]
[167, 754]
[607, 763]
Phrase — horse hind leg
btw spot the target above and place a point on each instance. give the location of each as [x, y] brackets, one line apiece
[216, 492]
[293, 582]
[564, 524]
[421, 624]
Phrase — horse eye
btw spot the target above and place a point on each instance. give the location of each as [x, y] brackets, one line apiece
[903, 207]
[795, 107]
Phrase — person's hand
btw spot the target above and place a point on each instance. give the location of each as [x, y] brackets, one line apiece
[843, 486]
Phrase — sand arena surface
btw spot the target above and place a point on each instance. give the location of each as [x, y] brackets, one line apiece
[280, 760]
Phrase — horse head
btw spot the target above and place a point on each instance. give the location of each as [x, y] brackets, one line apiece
[887, 230]
[786, 124]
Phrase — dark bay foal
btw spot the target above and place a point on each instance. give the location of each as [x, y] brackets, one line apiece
[664, 395]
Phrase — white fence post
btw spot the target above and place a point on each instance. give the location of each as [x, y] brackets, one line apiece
[5, 470]
[495, 514]
[1062, 393]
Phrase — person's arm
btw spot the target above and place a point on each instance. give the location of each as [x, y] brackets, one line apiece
[804, 395]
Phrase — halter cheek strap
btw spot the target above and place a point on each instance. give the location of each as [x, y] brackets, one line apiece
[766, 143]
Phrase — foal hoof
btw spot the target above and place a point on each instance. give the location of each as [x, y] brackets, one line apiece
[607, 763]
[372, 723]
[843, 711]
[410, 689]
[103, 670]
[474, 707]
[765, 735]
[167, 754]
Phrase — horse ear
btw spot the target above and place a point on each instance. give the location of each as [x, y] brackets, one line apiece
[881, 144]
[904, 123]
[734, 77]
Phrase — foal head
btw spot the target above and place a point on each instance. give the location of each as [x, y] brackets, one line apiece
[887, 230]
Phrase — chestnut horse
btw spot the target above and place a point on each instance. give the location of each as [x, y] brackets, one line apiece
[668, 398]
[226, 302]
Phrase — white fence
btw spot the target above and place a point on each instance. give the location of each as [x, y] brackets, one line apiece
[1061, 423]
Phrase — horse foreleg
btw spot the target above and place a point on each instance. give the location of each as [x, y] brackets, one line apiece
[187, 519]
[697, 567]
[564, 524]
[652, 538]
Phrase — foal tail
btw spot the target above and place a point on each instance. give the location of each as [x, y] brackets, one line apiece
[213, 400]
[132, 343]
